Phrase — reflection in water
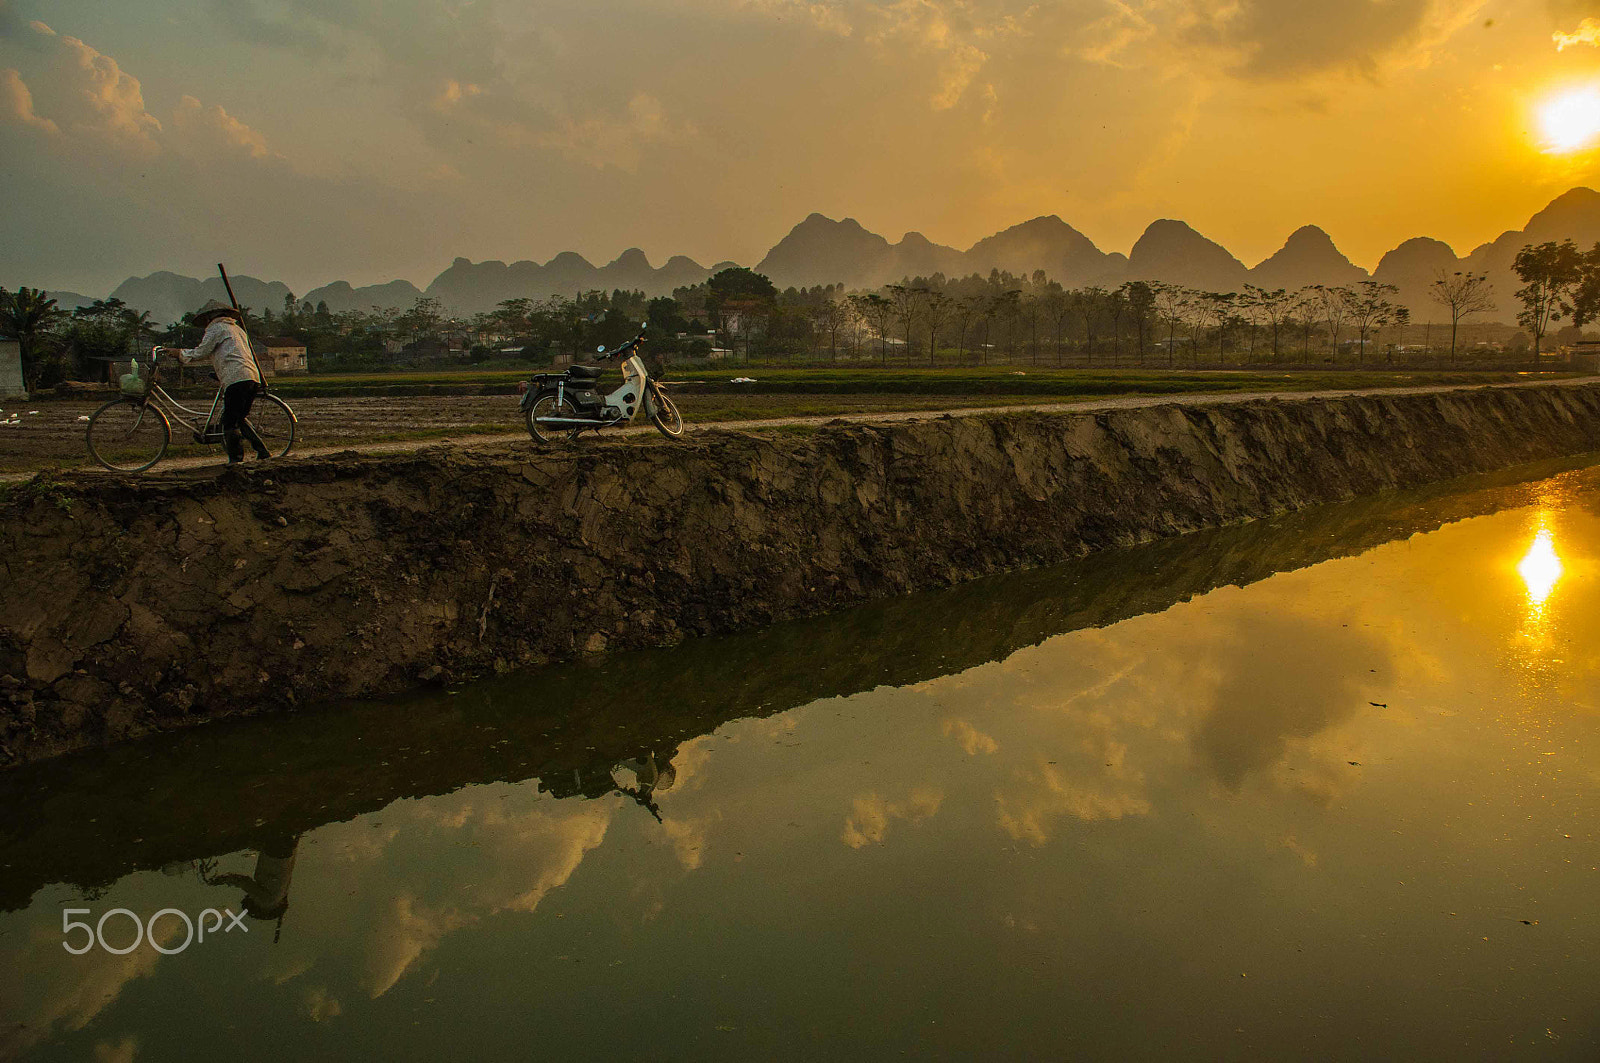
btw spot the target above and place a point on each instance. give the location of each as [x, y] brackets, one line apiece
[266, 890]
[1538, 647]
[1113, 811]
[1540, 566]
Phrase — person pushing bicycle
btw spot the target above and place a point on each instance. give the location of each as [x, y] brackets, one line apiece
[226, 344]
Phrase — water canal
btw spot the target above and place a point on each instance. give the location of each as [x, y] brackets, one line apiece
[1321, 787]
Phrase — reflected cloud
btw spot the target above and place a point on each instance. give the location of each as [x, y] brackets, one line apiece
[688, 838]
[38, 992]
[318, 1005]
[374, 898]
[1290, 677]
[1048, 793]
[871, 815]
[971, 740]
[123, 1051]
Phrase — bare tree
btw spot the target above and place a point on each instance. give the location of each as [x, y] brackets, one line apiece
[1141, 301]
[1087, 303]
[1031, 311]
[907, 303]
[1116, 304]
[832, 316]
[1461, 294]
[1196, 312]
[878, 312]
[1369, 308]
[1305, 307]
[1007, 306]
[1274, 307]
[1333, 308]
[936, 310]
[1057, 308]
[1218, 308]
[1171, 304]
[965, 311]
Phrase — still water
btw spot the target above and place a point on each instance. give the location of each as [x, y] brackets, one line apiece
[1324, 787]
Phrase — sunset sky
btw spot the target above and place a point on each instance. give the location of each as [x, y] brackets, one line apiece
[315, 140]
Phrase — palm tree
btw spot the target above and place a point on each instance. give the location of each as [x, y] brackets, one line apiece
[139, 325]
[24, 314]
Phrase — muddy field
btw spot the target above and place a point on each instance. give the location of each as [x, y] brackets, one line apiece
[50, 432]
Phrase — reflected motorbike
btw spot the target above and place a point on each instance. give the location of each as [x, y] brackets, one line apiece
[560, 405]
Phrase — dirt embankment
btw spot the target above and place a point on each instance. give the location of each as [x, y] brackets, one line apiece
[129, 607]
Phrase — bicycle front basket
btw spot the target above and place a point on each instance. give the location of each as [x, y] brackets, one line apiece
[133, 385]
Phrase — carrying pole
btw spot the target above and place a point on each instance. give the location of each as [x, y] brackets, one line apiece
[226, 283]
[234, 299]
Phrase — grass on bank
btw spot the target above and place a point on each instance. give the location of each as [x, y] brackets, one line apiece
[901, 380]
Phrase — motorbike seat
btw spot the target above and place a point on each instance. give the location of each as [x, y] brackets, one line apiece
[584, 372]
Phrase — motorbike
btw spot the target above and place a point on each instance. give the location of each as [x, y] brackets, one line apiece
[558, 405]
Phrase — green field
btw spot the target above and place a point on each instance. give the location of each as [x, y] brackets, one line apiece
[900, 380]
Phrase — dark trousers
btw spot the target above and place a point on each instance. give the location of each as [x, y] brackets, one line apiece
[236, 403]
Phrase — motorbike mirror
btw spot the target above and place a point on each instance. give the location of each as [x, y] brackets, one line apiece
[600, 349]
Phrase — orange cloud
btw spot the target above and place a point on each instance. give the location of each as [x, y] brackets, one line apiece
[213, 127]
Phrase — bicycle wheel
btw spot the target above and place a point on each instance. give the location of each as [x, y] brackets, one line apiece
[127, 436]
[666, 416]
[547, 405]
[275, 423]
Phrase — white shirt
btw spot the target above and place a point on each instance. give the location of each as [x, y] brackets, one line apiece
[229, 350]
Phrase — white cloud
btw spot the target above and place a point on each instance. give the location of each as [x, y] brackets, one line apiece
[83, 93]
[82, 98]
[16, 103]
[1588, 32]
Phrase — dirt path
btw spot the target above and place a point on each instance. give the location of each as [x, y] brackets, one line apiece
[513, 437]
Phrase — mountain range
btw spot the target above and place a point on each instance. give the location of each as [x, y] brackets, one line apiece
[822, 250]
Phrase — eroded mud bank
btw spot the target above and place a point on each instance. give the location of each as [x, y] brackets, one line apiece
[128, 607]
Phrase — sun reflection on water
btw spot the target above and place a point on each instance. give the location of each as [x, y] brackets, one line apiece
[1540, 568]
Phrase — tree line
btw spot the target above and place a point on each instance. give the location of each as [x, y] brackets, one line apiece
[975, 319]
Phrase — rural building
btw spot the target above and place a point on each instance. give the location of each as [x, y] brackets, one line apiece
[1582, 352]
[280, 356]
[11, 382]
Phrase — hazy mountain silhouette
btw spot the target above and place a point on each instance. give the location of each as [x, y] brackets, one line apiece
[340, 297]
[168, 296]
[917, 256]
[1173, 253]
[1573, 215]
[471, 287]
[1050, 244]
[69, 300]
[1413, 267]
[1307, 257]
[822, 251]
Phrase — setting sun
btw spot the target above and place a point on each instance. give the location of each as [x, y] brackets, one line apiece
[1571, 120]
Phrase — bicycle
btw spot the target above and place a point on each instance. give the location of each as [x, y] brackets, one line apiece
[132, 432]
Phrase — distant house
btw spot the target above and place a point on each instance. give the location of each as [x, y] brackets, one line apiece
[1582, 352]
[11, 382]
[280, 356]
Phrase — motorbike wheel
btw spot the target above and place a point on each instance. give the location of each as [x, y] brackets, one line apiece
[667, 419]
[547, 405]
